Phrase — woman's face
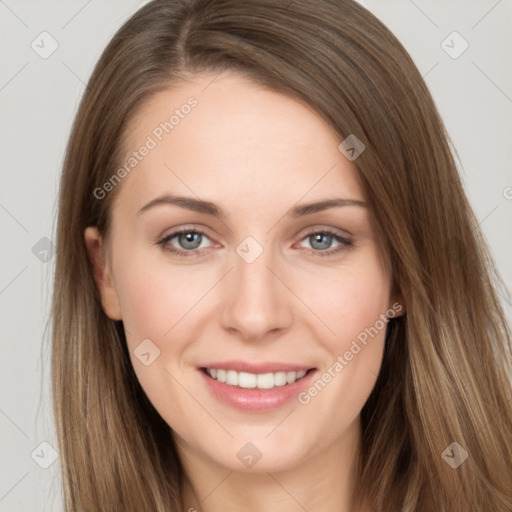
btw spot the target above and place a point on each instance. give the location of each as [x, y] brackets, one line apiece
[261, 287]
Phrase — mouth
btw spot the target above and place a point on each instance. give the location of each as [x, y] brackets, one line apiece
[256, 387]
[246, 380]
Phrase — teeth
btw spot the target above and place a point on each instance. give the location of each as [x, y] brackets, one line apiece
[247, 380]
[265, 381]
[252, 380]
[280, 378]
[232, 378]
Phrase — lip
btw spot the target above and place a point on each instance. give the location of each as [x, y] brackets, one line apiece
[246, 366]
[256, 400]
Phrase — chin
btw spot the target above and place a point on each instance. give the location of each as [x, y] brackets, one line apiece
[261, 455]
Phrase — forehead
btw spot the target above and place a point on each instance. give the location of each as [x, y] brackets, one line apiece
[219, 135]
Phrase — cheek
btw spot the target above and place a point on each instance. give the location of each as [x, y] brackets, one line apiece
[155, 296]
[351, 300]
[353, 307]
[146, 306]
[157, 304]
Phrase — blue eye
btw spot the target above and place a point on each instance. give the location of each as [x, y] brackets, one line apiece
[321, 242]
[189, 242]
[188, 239]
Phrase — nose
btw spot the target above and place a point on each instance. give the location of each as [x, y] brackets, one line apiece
[255, 300]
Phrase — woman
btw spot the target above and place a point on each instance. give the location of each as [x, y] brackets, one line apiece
[271, 291]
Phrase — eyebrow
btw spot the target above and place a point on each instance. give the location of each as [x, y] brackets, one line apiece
[209, 208]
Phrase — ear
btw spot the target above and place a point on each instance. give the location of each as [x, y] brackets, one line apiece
[397, 304]
[102, 273]
[398, 307]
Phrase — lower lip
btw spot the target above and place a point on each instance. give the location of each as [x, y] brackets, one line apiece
[256, 400]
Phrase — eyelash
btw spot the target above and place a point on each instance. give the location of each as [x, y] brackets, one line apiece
[164, 243]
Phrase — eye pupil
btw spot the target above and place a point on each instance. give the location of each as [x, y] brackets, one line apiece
[187, 241]
[324, 240]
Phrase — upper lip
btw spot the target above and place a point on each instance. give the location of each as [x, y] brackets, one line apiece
[251, 367]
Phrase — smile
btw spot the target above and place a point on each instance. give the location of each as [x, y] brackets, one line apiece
[247, 380]
[255, 387]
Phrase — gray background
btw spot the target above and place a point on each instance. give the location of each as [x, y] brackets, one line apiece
[38, 98]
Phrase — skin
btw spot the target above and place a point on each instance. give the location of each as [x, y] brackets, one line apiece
[256, 154]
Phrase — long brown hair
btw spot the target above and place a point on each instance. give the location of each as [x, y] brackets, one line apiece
[445, 374]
